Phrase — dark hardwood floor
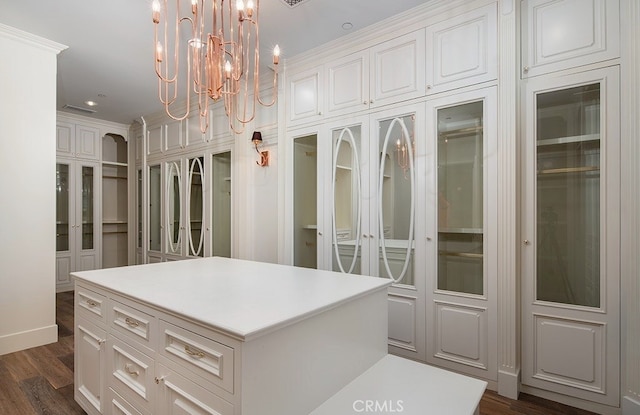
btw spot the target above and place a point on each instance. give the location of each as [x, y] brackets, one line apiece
[40, 380]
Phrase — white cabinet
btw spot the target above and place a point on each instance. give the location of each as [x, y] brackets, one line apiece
[390, 72]
[77, 219]
[462, 50]
[369, 215]
[78, 141]
[559, 34]
[462, 229]
[396, 69]
[571, 232]
[190, 207]
[305, 96]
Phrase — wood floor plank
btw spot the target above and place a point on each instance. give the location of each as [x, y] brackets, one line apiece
[56, 372]
[12, 399]
[19, 366]
[46, 400]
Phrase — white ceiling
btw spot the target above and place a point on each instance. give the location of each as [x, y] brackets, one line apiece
[110, 54]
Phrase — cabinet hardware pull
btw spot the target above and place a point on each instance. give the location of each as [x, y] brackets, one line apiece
[525, 69]
[159, 379]
[91, 303]
[131, 322]
[196, 353]
[129, 369]
[526, 242]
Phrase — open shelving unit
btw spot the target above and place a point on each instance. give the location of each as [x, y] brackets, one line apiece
[114, 201]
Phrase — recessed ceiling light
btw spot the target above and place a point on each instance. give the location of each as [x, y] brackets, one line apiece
[91, 103]
[347, 25]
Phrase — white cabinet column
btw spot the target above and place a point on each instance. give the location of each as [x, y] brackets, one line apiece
[508, 293]
[630, 150]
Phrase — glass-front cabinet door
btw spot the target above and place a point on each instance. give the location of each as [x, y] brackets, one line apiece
[571, 232]
[221, 204]
[462, 233]
[195, 209]
[305, 200]
[155, 208]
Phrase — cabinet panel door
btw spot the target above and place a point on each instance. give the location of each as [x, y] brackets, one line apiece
[90, 364]
[571, 228]
[174, 136]
[304, 96]
[462, 51]
[154, 140]
[559, 34]
[87, 140]
[87, 214]
[348, 84]
[397, 70]
[65, 139]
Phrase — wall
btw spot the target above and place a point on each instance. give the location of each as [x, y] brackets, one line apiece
[27, 179]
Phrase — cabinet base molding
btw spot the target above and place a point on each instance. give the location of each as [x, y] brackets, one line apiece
[509, 384]
[630, 406]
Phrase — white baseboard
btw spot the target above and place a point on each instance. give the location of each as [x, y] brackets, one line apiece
[509, 384]
[27, 339]
[630, 406]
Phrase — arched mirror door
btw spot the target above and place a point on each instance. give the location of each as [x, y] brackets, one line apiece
[174, 219]
[196, 206]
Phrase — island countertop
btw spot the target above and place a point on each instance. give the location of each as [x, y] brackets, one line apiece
[244, 299]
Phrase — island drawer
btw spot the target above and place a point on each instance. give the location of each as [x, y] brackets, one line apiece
[132, 373]
[91, 304]
[203, 356]
[133, 322]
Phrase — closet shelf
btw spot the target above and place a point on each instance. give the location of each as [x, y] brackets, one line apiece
[471, 255]
[582, 169]
[567, 140]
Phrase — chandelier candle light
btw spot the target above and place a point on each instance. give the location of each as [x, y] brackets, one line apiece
[221, 50]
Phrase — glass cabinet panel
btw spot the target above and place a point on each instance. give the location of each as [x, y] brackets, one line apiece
[88, 195]
[347, 195]
[155, 207]
[221, 204]
[305, 161]
[460, 198]
[196, 206]
[174, 193]
[62, 207]
[568, 196]
[396, 198]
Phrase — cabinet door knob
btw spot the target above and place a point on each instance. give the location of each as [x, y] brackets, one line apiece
[429, 87]
[365, 102]
[371, 101]
[428, 238]
[525, 69]
[526, 242]
[319, 233]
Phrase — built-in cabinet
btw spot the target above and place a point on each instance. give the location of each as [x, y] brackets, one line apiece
[77, 219]
[571, 199]
[188, 193]
[396, 145]
[92, 207]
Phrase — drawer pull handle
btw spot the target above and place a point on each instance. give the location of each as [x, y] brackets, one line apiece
[91, 303]
[129, 369]
[131, 322]
[195, 353]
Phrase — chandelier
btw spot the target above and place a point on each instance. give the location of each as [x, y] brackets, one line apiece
[219, 42]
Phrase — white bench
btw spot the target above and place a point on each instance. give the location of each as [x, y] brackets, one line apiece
[400, 386]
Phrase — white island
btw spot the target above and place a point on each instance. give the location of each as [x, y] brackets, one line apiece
[222, 336]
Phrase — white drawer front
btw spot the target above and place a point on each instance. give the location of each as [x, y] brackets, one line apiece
[132, 373]
[205, 357]
[179, 396]
[91, 304]
[133, 323]
[119, 406]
